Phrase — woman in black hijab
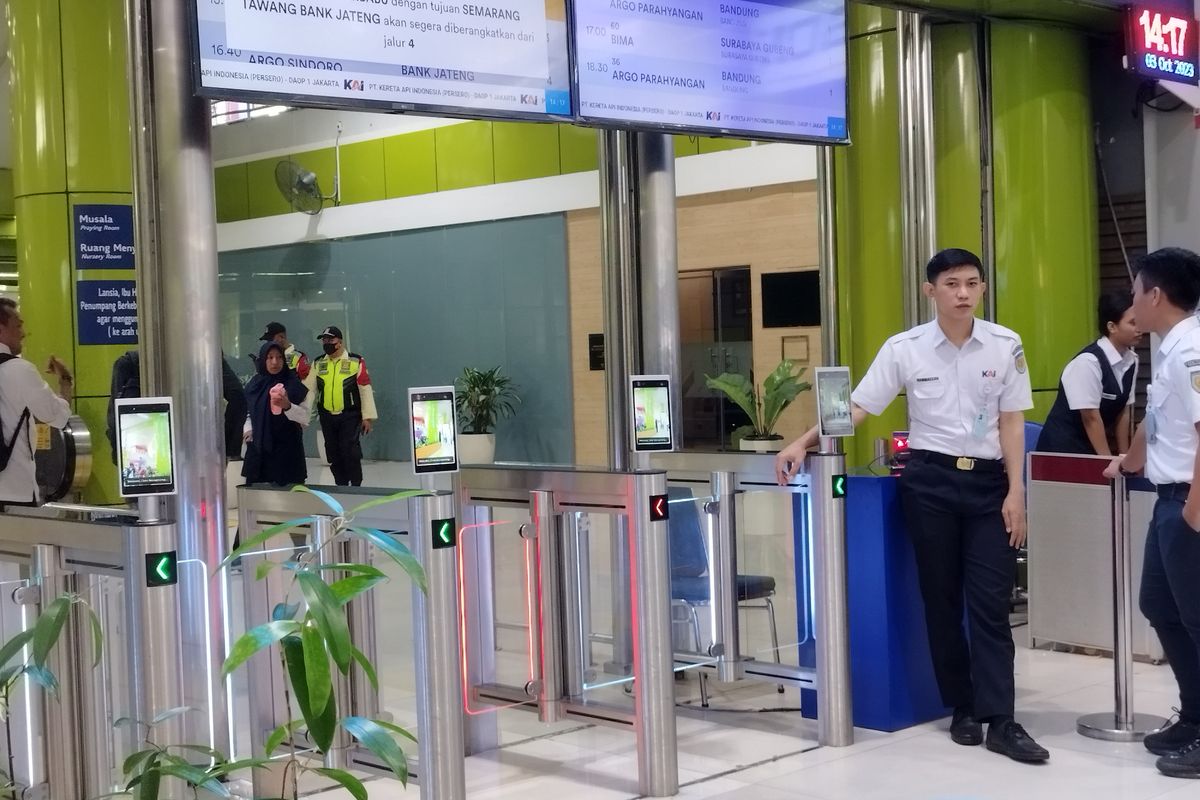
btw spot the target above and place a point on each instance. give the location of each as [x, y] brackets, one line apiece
[275, 451]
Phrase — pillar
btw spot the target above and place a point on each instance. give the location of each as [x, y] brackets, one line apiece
[71, 146]
[957, 110]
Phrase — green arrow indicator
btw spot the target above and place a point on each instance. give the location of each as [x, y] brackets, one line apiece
[839, 486]
[445, 533]
[163, 568]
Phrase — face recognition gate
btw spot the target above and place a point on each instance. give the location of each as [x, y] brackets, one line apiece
[560, 683]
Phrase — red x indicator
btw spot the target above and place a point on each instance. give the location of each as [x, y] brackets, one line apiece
[658, 507]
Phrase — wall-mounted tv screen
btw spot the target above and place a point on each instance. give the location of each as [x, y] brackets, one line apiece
[480, 58]
[791, 299]
[763, 69]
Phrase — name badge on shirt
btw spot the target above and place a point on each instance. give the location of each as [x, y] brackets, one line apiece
[1151, 425]
[979, 426]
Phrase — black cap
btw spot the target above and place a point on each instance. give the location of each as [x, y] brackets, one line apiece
[332, 330]
[273, 329]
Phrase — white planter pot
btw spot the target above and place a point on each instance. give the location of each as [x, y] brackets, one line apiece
[761, 445]
[477, 448]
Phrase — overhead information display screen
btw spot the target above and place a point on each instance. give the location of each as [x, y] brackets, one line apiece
[768, 69]
[1163, 44]
[481, 58]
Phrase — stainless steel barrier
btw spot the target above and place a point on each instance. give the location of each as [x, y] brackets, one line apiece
[65, 741]
[438, 767]
[1123, 724]
[725, 476]
[553, 497]
[63, 459]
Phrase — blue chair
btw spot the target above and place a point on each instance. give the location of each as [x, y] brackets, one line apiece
[689, 573]
[1033, 430]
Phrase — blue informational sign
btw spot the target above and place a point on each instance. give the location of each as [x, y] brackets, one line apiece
[103, 236]
[107, 312]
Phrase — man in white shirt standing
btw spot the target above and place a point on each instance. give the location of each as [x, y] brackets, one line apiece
[1167, 445]
[1095, 392]
[963, 491]
[25, 399]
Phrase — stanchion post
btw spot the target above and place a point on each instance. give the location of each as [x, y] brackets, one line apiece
[723, 568]
[548, 546]
[329, 550]
[827, 518]
[439, 688]
[574, 577]
[361, 619]
[1123, 724]
[653, 651]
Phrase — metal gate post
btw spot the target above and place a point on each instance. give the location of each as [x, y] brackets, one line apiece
[726, 638]
[548, 546]
[329, 550]
[439, 687]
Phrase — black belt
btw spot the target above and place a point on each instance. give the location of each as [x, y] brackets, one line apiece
[1173, 491]
[962, 463]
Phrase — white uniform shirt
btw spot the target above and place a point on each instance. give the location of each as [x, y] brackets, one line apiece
[1082, 379]
[1173, 406]
[22, 387]
[955, 395]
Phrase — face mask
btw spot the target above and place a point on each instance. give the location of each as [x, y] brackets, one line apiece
[329, 347]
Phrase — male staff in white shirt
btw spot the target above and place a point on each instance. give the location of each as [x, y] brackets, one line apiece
[1167, 444]
[1095, 392]
[962, 491]
[24, 399]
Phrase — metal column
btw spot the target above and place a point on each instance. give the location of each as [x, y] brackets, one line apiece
[361, 619]
[548, 546]
[827, 245]
[827, 518]
[439, 686]
[726, 638]
[1123, 725]
[182, 265]
[653, 651]
[917, 190]
[576, 611]
[61, 715]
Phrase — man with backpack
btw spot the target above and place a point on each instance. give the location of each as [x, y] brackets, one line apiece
[25, 399]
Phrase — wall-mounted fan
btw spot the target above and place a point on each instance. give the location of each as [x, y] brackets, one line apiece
[300, 187]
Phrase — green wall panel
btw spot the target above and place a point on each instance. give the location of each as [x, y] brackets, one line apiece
[956, 124]
[707, 144]
[35, 48]
[96, 97]
[862, 18]
[7, 209]
[363, 176]
[524, 150]
[410, 164]
[262, 195]
[232, 192]
[1047, 258]
[47, 293]
[102, 487]
[472, 163]
[686, 145]
[578, 149]
[868, 225]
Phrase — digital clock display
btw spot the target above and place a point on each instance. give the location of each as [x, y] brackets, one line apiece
[1163, 44]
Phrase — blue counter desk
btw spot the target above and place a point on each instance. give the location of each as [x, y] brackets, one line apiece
[892, 675]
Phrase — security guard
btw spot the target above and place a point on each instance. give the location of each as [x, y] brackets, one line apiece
[296, 360]
[962, 491]
[1095, 392]
[345, 404]
[1165, 294]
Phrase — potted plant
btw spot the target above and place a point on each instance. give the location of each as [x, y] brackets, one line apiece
[484, 397]
[780, 388]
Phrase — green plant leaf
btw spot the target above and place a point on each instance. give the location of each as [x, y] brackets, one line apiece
[285, 611]
[171, 713]
[327, 612]
[376, 738]
[195, 776]
[137, 762]
[397, 729]
[349, 588]
[261, 537]
[316, 666]
[279, 734]
[324, 497]
[367, 667]
[49, 627]
[147, 787]
[780, 388]
[321, 722]
[391, 498]
[14, 646]
[395, 550]
[256, 639]
[355, 569]
[97, 637]
[264, 568]
[740, 390]
[230, 767]
[347, 781]
[43, 677]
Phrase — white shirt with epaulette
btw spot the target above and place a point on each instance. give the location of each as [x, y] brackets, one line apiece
[1173, 406]
[955, 394]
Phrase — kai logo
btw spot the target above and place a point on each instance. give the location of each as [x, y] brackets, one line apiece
[530, 100]
[714, 116]
[352, 85]
[989, 373]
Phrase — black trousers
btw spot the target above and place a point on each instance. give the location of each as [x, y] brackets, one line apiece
[963, 555]
[1170, 596]
[343, 447]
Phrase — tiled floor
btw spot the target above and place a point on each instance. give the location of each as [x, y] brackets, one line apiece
[720, 760]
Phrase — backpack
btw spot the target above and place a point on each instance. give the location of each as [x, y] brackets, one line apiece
[7, 445]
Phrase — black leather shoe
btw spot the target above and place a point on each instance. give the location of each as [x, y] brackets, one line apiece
[1172, 738]
[1183, 764]
[965, 729]
[1009, 739]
